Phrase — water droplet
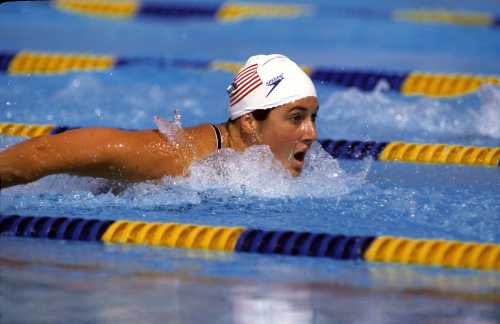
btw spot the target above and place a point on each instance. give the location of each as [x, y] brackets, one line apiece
[171, 129]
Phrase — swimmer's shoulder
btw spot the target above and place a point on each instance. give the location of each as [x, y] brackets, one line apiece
[196, 141]
[173, 156]
[203, 138]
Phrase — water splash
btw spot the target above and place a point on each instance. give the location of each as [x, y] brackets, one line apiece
[488, 117]
[378, 115]
[255, 172]
[172, 130]
[224, 175]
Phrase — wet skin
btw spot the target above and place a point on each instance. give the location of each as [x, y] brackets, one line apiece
[289, 130]
[104, 152]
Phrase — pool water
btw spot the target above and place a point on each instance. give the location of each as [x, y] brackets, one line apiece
[49, 281]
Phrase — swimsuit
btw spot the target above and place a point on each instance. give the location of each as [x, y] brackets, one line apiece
[218, 135]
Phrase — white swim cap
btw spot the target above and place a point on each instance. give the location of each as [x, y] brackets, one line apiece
[267, 81]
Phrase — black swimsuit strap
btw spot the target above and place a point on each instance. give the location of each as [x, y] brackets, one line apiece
[218, 136]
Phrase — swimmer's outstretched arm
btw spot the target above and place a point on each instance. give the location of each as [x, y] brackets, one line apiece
[98, 152]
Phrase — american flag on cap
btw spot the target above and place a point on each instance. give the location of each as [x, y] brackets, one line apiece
[246, 81]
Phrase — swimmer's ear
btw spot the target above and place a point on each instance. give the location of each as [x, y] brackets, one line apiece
[249, 129]
[248, 124]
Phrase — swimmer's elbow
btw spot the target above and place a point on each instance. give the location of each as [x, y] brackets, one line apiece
[33, 159]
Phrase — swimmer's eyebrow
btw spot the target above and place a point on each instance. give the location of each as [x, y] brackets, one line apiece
[303, 109]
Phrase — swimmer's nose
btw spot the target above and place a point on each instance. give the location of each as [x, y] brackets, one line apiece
[309, 132]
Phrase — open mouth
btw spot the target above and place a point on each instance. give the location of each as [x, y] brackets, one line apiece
[299, 156]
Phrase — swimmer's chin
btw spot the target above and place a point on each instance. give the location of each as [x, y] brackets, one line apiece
[295, 167]
[295, 172]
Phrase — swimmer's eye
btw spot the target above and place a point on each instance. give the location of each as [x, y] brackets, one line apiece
[297, 118]
[313, 117]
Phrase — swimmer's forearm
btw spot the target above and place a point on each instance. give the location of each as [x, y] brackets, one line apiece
[33, 159]
[16, 166]
[98, 152]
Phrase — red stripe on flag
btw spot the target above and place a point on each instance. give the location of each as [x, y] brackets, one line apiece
[243, 86]
[234, 101]
[248, 68]
[240, 83]
[244, 75]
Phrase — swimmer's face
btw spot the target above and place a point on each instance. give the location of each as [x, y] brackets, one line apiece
[290, 130]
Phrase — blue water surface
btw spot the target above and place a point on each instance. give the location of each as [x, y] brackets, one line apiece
[87, 282]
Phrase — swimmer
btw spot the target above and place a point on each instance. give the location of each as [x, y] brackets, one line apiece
[271, 102]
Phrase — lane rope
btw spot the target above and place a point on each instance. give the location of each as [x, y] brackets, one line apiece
[386, 249]
[234, 11]
[406, 83]
[223, 12]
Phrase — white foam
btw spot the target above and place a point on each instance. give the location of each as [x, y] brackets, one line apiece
[152, 195]
[354, 114]
[226, 173]
[488, 118]
[255, 172]
[59, 183]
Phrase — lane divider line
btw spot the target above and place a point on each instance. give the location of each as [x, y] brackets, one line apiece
[406, 83]
[386, 249]
[234, 11]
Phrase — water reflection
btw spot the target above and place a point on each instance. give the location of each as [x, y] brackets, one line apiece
[271, 304]
[55, 282]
